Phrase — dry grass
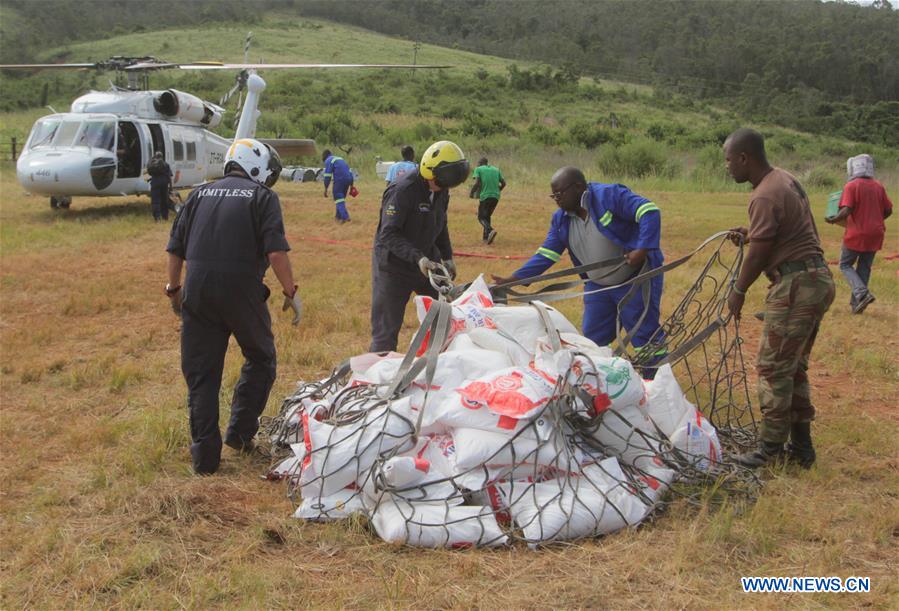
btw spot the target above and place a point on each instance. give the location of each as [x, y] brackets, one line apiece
[100, 509]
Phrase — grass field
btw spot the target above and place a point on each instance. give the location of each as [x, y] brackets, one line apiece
[100, 509]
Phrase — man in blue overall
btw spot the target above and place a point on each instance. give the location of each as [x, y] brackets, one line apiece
[337, 170]
[597, 221]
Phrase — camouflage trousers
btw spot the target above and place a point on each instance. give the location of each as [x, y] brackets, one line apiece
[795, 305]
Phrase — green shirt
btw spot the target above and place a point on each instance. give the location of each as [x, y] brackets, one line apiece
[490, 178]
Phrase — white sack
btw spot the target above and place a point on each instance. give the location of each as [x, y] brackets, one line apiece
[493, 339]
[436, 525]
[337, 506]
[860, 166]
[525, 324]
[414, 478]
[571, 508]
[688, 430]
[335, 456]
[477, 448]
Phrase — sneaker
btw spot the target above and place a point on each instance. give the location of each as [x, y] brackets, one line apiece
[863, 303]
[491, 236]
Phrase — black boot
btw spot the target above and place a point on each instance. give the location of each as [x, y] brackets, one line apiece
[800, 450]
[766, 453]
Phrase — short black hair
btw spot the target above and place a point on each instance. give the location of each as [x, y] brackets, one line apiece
[749, 141]
[482, 161]
[408, 153]
[325, 154]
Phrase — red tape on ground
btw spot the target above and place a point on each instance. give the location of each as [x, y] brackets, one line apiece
[477, 255]
[456, 253]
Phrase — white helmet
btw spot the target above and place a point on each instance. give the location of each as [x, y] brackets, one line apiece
[258, 160]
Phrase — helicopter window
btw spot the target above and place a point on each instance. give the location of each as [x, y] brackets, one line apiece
[191, 151]
[177, 150]
[98, 135]
[65, 135]
[44, 132]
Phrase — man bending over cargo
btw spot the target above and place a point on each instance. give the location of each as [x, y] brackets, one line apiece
[596, 222]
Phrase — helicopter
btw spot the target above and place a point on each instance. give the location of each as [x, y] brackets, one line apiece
[101, 147]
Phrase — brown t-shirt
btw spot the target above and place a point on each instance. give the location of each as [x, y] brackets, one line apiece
[779, 211]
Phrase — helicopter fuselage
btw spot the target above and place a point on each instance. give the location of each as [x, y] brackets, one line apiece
[102, 147]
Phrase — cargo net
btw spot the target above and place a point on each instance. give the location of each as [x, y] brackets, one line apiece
[503, 423]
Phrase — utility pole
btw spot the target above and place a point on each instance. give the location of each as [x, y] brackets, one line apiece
[415, 48]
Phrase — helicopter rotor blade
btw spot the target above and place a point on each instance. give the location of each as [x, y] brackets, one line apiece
[224, 99]
[144, 64]
[45, 66]
[221, 66]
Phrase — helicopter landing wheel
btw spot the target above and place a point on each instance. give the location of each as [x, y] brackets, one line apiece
[64, 202]
[54, 203]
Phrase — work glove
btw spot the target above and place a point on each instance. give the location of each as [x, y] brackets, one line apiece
[450, 266]
[293, 302]
[426, 265]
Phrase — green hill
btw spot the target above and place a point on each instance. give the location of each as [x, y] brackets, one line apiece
[531, 117]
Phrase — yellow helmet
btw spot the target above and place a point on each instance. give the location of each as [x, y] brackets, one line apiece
[444, 163]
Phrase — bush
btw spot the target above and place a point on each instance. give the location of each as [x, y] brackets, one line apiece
[588, 134]
[665, 132]
[454, 111]
[821, 177]
[482, 126]
[426, 131]
[336, 128]
[547, 136]
[636, 159]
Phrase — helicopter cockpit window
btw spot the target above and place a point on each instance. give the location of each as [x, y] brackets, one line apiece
[65, 135]
[43, 133]
[97, 134]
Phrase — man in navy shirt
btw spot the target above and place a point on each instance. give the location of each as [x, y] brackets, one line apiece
[229, 232]
[412, 239]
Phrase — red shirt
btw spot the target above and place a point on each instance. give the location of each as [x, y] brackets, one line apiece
[869, 203]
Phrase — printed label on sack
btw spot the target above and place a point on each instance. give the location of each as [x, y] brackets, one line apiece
[464, 318]
[617, 378]
[515, 394]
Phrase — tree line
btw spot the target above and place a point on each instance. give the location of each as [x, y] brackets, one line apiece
[28, 27]
[825, 67]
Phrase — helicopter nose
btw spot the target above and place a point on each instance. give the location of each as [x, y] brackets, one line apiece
[53, 172]
[69, 172]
